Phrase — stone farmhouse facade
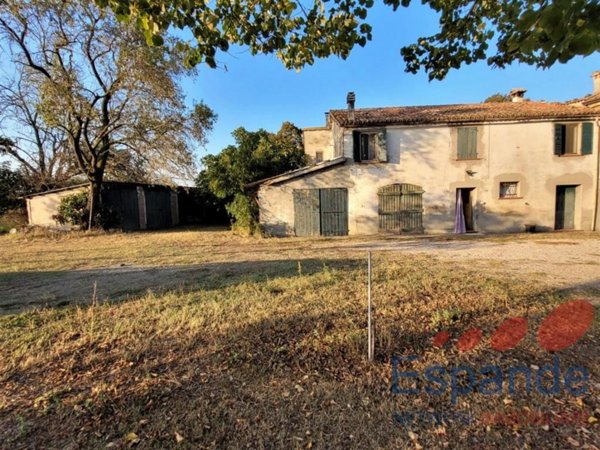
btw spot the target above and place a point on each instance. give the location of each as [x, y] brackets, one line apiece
[485, 167]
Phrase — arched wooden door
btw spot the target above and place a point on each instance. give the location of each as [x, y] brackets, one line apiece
[401, 208]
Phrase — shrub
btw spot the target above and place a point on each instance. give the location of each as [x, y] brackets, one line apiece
[13, 218]
[73, 210]
[244, 211]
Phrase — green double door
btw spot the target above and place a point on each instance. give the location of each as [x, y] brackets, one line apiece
[565, 207]
[321, 212]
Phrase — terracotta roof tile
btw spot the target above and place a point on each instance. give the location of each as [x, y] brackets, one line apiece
[587, 100]
[463, 113]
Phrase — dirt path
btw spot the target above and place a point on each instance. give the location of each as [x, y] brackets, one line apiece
[560, 263]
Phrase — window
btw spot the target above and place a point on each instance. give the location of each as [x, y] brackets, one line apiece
[466, 143]
[318, 157]
[369, 146]
[509, 189]
[573, 138]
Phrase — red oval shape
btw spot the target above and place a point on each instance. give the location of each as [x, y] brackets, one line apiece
[440, 339]
[509, 333]
[469, 339]
[565, 325]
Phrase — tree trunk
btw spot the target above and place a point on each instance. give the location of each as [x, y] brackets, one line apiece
[94, 199]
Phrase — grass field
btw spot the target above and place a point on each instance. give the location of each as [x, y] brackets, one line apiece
[263, 345]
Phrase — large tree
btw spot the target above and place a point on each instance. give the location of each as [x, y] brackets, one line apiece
[112, 96]
[539, 32]
[40, 150]
[255, 155]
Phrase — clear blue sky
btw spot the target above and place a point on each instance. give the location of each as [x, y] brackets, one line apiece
[258, 92]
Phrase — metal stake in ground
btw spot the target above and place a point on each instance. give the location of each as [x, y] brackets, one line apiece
[370, 343]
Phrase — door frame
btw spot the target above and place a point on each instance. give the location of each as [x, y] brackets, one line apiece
[559, 203]
[468, 196]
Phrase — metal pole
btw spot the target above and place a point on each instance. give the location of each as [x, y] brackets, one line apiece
[369, 321]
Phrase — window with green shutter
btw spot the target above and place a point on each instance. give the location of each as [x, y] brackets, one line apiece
[573, 138]
[587, 138]
[467, 143]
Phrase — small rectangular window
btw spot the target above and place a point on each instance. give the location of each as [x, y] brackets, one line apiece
[509, 189]
[466, 143]
[318, 157]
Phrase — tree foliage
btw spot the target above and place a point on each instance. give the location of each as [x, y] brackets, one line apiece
[535, 32]
[116, 100]
[12, 186]
[539, 32]
[39, 149]
[498, 98]
[255, 155]
[296, 32]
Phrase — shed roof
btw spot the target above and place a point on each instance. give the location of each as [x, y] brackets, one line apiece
[297, 173]
[462, 113]
[106, 183]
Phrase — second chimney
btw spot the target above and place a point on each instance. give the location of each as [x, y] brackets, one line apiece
[350, 99]
[517, 94]
[596, 80]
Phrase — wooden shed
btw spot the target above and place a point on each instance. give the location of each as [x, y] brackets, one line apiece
[136, 206]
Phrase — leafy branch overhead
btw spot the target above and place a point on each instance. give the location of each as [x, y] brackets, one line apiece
[534, 32]
[538, 32]
[296, 33]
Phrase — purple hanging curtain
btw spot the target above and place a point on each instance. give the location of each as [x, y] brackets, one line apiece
[459, 215]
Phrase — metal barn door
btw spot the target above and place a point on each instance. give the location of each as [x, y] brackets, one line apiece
[334, 212]
[158, 209]
[306, 212]
[123, 201]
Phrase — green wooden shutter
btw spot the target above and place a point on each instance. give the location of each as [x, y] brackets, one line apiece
[587, 138]
[462, 143]
[467, 143]
[559, 139]
[472, 142]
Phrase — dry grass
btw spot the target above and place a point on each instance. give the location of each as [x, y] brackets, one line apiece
[271, 355]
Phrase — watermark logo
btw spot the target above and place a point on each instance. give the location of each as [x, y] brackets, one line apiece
[561, 329]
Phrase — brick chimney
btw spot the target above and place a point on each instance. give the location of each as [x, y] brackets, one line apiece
[350, 99]
[517, 95]
[596, 80]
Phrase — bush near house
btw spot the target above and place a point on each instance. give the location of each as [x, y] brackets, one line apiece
[256, 155]
[73, 210]
[13, 218]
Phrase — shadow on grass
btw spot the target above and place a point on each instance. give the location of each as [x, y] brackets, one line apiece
[291, 381]
[20, 291]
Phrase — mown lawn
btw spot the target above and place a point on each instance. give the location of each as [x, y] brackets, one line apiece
[272, 354]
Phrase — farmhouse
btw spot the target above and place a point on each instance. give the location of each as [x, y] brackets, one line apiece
[485, 167]
[136, 206]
